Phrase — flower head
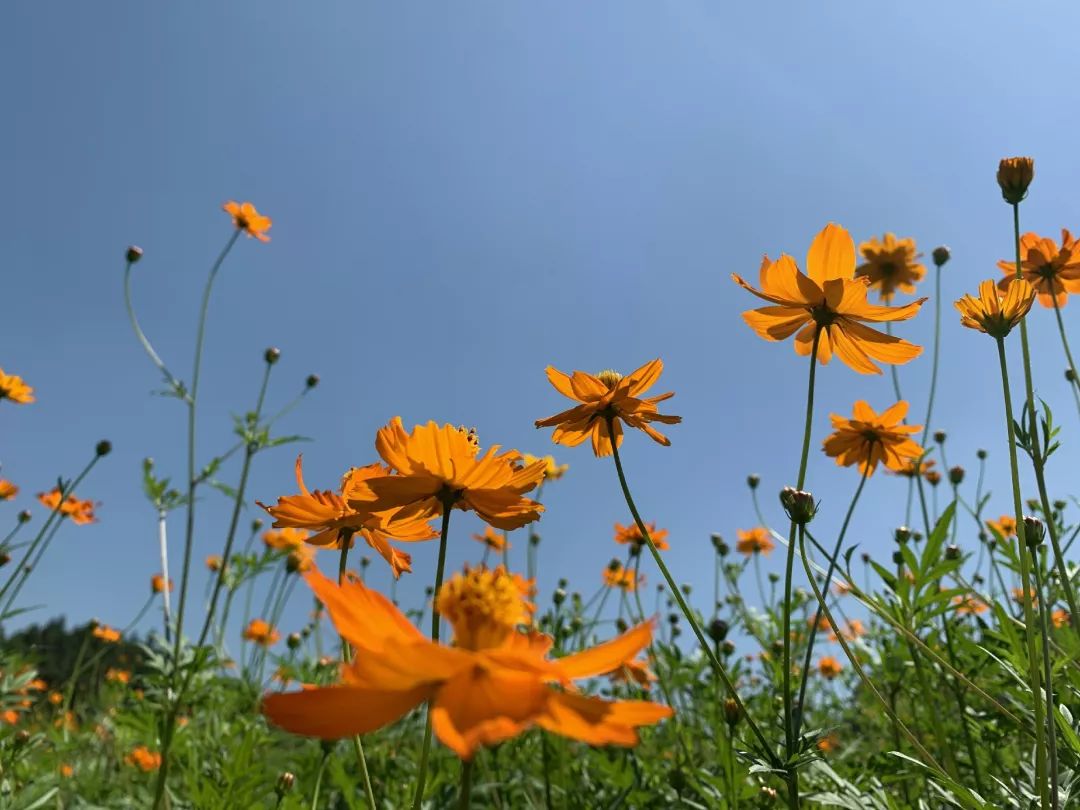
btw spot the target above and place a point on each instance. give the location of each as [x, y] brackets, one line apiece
[247, 219]
[754, 541]
[492, 539]
[969, 604]
[890, 264]
[12, 387]
[7, 490]
[869, 438]
[1004, 526]
[494, 683]
[103, 632]
[830, 301]
[631, 535]
[616, 576]
[80, 512]
[285, 539]
[828, 667]
[994, 313]
[144, 759]
[1053, 270]
[553, 471]
[1014, 175]
[158, 584]
[636, 671]
[607, 397]
[262, 633]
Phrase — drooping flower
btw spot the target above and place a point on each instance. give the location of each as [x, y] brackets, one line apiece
[440, 467]
[157, 583]
[262, 633]
[617, 576]
[492, 539]
[1005, 526]
[105, 633]
[830, 299]
[890, 264]
[247, 219]
[144, 759]
[7, 490]
[14, 388]
[994, 313]
[631, 535]
[553, 471]
[868, 438]
[607, 395]
[754, 541]
[1053, 270]
[301, 559]
[828, 667]
[493, 684]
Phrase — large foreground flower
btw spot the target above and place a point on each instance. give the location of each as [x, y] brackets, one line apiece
[12, 387]
[994, 313]
[869, 438]
[439, 467]
[1053, 270]
[830, 300]
[891, 264]
[493, 684]
[603, 397]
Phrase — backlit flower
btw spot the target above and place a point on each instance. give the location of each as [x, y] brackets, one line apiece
[1053, 270]
[157, 583]
[890, 264]
[492, 539]
[247, 219]
[144, 759]
[80, 512]
[830, 299]
[616, 576]
[300, 560]
[631, 535]
[1014, 175]
[636, 672]
[105, 633]
[7, 490]
[285, 539]
[993, 313]
[754, 541]
[262, 633]
[12, 387]
[493, 684]
[853, 629]
[553, 471]
[913, 468]
[1005, 526]
[828, 667]
[868, 438]
[439, 467]
[1060, 618]
[607, 395]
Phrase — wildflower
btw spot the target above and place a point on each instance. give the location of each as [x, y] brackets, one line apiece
[440, 467]
[493, 684]
[636, 671]
[607, 396]
[247, 219]
[105, 633]
[829, 300]
[9, 717]
[1060, 618]
[7, 490]
[841, 589]
[114, 675]
[754, 541]
[1018, 596]
[14, 388]
[992, 313]
[284, 539]
[821, 625]
[262, 633]
[631, 535]
[1054, 271]
[214, 562]
[1014, 175]
[828, 743]
[300, 560]
[56, 698]
[891, 264]
[1004, 526]
[66, 771]
[933, 478]
[829, 667]
[144, 759]
[616, 576]
[913, 468]
[853, 629]
[492, 539]
[157, 583]
[969, 604]
[553, 471]
[80, 512]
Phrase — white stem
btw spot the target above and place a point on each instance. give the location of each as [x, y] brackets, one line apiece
[163, 543]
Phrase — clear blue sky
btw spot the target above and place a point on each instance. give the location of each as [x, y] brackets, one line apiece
[464, 193]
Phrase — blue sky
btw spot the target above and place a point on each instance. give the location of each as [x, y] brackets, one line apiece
[464, 193]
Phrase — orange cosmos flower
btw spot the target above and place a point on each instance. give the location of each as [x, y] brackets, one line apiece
[1014, 175]
[493, 684]
[631, 535]
[7, 490]
[107, 634]
[113, 675]
[246, 218]
[262, 633]
[615, 576]
[492, 539]
[828, 743]
[829, 667]
[12, 387]
[992, 313]
[9, 717]
[1005, 526]
[969, 604]
[553, 471]
[300, 559]
[829, 299]
[1018, 596]
[56, 698]
[331, 517]
[80, 512]
[284, 539]
[868, 438]
[754, 541]
[157, 583]
[144, 759]
[607, 395]
[636, 671]
[913, 468]
[1060, 618]
[440, 467]
[214, 562]
[66, 770]
[1053, 271]
[853, 629]
[891, 264]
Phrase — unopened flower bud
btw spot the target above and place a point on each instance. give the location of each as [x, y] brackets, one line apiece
[686, 589]
[256, 524]
[558, 597]
[621, 625]
[897, 557]
[22, 737]
[103, 448]
[916, 537]
[614, 565]
[133, 254]
[1034, 531]
[727, 647]
[1014, 175]
[718, 543]
[774, 577]
[365, 562]
[673, 618]
[718, 630]
[285, 783]
[5, 558]
[272, 355]
[865, 558]
[1070, 375]
[534, 539]
[293, 641]
[24, 516]
[952, 552]
[732, 712]
[777, 647]
[941, 255]
[978, 579]
[753, 480]
[799, 505]
[956, 475]
[902, 534]
[1033, 504]
[981, 454]
[312, 380]
[576, 624]
[429, 591]
[1059, 505]
[939, 436]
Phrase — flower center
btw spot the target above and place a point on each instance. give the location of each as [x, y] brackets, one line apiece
[483, 605]
[822, 315]
[609, 377]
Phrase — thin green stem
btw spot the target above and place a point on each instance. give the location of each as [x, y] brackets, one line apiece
[1074, 382]
[319, 778]
[1044, 596]
[465, 795]
[937, 352]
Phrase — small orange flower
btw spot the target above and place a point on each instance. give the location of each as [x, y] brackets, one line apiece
[1060, 618]
[1004, 526]
[828, 667]
[105, 633]
[868, 438]
[494, 683]
[822, 625]
[969, 604]
[492, 539]
[246, 218]
[1054, 271]
[607, 395]
[157, 583]
[284, 539]
[301, 559]
[841, 589]
[914, 468]
[552, 472]
[615, 576]
[80, 512]
[829, 300]
[636, 671]
[754, 541]
[993, 313]
[9, 717]
[66, 770]
[828, 743]
[214, 562]
[891, 264]
[631, 535]
[56, 698]
[1018, 596]
[1014, 175]
[144, 759]
[7, 490]
[853, 629]
[262, 633]
[12, 387]
[113, 675]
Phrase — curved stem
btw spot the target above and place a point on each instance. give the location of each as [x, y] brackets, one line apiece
[143, 340]
[937, 352]
[1074, 383]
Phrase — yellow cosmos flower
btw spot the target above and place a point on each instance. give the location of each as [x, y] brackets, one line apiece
[1053, 270]
[105, 633]
[1005, 526]
[492, 539]
[12, 387]
[868, 438]
[1014, 175]
[754, 541]
[494, 683]
[247, 219]
[631, 535]
[829, 299]
[994, 314]
[553, 471]
[890, 264]
[607, 395]
[616, 576]
[261, 632]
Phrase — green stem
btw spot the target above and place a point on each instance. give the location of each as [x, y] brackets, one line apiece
[318, 779]
[465, 795]
[937, 347]
[1074, 383]
[1051, 712]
